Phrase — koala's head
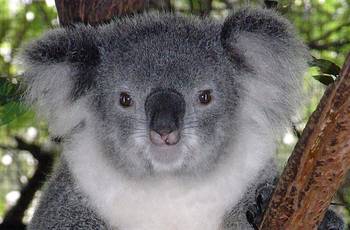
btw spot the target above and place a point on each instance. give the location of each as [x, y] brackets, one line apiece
[166, 93]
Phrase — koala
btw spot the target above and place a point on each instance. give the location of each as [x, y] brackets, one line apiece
[168, 121]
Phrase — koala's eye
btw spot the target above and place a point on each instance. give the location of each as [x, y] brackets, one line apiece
[205, 97]
[125, 99]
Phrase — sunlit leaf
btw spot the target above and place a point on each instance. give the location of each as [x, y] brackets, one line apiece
[326, 66]
[22, 120]
[325, 79]
[11, 111]
[9, 92]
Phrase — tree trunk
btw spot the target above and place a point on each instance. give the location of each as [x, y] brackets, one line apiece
[95, 12]
[318, 164]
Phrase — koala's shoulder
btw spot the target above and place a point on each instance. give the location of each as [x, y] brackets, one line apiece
[62, 206]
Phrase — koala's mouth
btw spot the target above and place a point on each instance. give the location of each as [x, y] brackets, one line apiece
[165, 149]
[165, 154]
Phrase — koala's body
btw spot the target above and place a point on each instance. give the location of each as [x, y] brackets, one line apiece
[169, 121]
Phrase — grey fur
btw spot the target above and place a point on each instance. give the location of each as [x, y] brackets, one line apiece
[252, 63]
[71, 211]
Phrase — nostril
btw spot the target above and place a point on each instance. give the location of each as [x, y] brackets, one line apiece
[165, 137]
[164, 132]
[172, 138]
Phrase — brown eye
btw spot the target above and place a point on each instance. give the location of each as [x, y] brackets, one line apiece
[205, 97]
[125, 100]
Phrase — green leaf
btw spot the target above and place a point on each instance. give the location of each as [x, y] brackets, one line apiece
[325, 79]
[22, 120]
[326, 66]
[9, 92]
[11, 111]
[6, 87]
[10, 106]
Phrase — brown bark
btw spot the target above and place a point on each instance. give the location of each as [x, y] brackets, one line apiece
[318, 164]
[96, 11]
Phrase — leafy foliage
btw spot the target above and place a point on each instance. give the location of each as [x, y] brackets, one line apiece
[20, 21]
[326, 66]
[325, 79]
[10, 101]
[329, 70]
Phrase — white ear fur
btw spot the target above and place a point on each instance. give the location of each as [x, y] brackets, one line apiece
[51, 64]
[49, 88]
[277, 60]
[275, 88]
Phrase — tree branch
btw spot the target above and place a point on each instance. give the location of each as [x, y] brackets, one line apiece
[13, 218]
[205, 7]
[326, 46]
[318, 164]
[96, 11]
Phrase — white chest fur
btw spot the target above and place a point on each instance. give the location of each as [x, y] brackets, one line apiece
[167, 203]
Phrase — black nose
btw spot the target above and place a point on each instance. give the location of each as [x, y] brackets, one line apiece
[165, 109]
[164, 122]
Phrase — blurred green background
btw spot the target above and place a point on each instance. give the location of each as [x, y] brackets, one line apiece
[324, 25]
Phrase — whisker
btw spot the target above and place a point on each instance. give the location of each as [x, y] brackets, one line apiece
[138, 119]
[190, 114]
[189, 147]
[140, 129]
[190, 127]
[190, 117]
[139, 136]
[191, 121]
[189, 135]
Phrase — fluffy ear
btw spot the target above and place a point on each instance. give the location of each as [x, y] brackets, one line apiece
[264, 46]
[59, 70]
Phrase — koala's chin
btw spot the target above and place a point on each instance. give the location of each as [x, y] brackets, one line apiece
[166, 158]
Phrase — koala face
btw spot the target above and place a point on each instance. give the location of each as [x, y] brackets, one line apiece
[166, 109]
[168, 94]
